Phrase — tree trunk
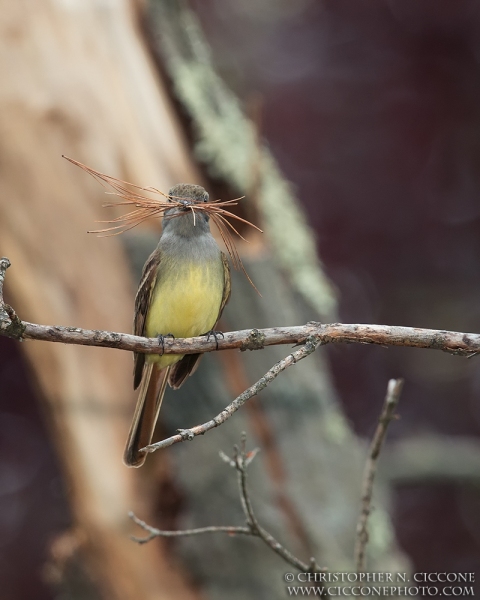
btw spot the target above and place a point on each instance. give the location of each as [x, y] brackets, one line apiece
[77, 80]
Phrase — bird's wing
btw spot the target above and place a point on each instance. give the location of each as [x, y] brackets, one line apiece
[142, 303]
[227, 288]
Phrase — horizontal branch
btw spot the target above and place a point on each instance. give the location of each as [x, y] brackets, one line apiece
[453, 342]
[465, 344]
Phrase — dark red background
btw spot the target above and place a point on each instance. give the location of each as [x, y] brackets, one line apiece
[373, 111]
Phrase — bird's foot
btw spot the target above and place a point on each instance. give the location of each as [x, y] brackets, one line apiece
[214, 334]
[161, 340]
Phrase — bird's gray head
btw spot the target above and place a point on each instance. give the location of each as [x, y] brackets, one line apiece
[181, 218]
[188, 191]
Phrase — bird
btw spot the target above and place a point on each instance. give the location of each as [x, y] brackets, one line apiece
[184, 287]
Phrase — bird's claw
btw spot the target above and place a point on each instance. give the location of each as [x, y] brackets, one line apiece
[161, 340]
[214, 334]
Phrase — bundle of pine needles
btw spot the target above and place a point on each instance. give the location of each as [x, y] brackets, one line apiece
[146, 207]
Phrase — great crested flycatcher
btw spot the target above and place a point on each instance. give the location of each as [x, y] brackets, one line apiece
[184, 287]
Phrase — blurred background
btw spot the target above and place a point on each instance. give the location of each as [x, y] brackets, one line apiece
[353, 128]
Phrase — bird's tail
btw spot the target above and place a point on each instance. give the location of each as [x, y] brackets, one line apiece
[152, 390]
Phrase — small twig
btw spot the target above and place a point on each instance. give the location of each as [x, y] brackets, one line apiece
[10, 324]
[153, 532]
[240, 462]
[394, 390]
[4, 264]
[188, 434]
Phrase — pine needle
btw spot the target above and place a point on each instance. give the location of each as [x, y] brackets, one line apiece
[146, 207]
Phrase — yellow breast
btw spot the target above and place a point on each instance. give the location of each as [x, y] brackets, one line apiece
[185, 303]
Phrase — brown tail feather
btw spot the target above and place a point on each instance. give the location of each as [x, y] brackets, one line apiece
[152, 389]
[182, 369]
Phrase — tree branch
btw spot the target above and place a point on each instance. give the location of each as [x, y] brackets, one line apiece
[394, 390]
[240, 462]
[310, 346]
[153, 532]
[453, 342]
[10, 324]
[4, 264]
